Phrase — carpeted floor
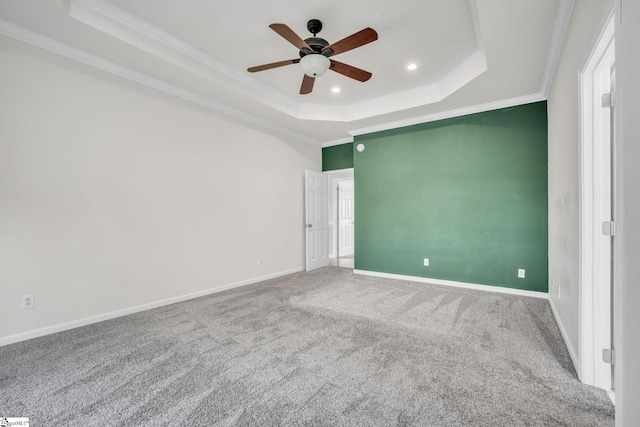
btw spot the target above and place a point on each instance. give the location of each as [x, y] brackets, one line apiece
[326, 348]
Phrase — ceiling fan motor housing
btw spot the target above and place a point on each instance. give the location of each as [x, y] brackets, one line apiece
[315, 43]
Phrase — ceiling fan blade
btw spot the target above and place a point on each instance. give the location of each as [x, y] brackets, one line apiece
[353, 41]
[288, 34]
[272, 65]
[307, 85]
[350, 71]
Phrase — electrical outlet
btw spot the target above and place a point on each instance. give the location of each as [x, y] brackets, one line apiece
[260, 261]
[28, 301]
[426, 262]
[521, 273]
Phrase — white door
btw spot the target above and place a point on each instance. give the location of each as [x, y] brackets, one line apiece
[603, 218]
[345, 218]
[316, 212]
[597, 216]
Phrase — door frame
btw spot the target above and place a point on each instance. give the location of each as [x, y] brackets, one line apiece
[339, 211]
[335, 176]
[595, 300]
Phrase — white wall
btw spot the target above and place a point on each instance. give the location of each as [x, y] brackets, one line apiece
[564, 156]
[113, 196]
[627, 263]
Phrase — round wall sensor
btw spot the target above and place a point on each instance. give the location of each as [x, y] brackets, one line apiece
[360, 147]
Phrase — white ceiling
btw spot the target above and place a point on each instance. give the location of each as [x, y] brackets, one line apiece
[473, 55]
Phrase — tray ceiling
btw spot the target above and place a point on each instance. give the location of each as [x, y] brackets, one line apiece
[472, 55]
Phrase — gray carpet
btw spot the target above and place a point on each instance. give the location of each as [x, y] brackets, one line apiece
[326, 348]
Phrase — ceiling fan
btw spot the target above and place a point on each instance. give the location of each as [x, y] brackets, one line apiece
[315, 53]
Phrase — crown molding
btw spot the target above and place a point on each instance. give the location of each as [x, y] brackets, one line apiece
[527, 99]
[522, 100]
[340, 141]
[560, 28]
[43, 42]
[122, 25]
[472, 65]
[110, 19]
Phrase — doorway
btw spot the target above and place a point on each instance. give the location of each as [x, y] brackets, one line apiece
[341, 218]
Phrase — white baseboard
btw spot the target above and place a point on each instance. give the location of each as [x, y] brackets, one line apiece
[488, 288]
[567, 342]
[23, 336]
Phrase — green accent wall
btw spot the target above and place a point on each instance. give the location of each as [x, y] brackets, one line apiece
[337, 157]
[469, 193]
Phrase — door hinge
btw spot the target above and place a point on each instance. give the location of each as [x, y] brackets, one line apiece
[609, 228]
[609, 356]
[607, 100]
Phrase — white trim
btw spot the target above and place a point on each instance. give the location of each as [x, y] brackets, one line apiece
[607, 31]
[560, 27]
[565, 336]
[522, 100]
[23, 336]
[585, 238]
[340, 141]
[105, 16]
[477, 287]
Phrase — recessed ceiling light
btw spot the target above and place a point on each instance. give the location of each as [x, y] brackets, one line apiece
[335, 90]
[411, 66]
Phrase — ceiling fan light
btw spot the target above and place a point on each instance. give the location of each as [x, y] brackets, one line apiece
[314, 64]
